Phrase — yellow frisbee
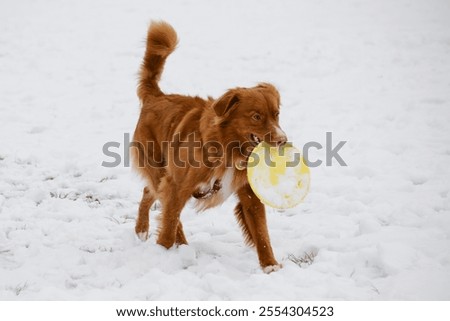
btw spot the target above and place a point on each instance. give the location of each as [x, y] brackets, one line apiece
[278, 175]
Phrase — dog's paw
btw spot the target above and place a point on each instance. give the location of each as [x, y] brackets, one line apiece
[143, 236]
[272, 268]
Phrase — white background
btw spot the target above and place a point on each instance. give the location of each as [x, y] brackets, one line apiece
[108, 310]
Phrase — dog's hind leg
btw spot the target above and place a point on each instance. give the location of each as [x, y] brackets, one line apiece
[173, 199]
[142, 222]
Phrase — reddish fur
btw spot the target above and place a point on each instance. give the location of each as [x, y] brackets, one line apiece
[227, 119]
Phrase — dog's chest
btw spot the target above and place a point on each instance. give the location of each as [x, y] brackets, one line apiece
[216, 191]
[227, 184]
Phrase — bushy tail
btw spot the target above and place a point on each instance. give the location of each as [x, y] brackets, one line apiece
[161, 42]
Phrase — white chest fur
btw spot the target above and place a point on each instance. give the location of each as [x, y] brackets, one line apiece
[214, 199]
[227, 184]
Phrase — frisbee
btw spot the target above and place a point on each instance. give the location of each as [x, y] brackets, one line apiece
[278, 175]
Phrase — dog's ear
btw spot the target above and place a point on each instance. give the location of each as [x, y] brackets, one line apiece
[225, 103]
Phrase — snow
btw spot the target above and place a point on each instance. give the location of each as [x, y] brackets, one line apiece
[374, 73]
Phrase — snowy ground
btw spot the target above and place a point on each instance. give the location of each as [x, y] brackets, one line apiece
[374, 73]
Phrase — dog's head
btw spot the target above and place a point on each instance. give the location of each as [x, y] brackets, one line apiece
[250, 115]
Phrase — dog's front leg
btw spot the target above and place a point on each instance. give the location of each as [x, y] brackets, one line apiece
[251, 215]
[173, 199]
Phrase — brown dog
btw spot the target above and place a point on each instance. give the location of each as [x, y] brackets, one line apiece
[191, 147]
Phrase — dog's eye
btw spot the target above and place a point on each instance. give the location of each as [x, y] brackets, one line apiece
[277, 114]
[257, 117]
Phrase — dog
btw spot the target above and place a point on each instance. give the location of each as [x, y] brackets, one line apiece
[172, 149]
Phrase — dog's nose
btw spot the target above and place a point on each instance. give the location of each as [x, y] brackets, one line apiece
[282, 141]
[280, 137]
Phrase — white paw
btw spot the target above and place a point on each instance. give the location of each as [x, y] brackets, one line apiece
[272, 268]
[143, 236]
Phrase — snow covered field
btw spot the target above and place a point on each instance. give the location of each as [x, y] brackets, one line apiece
[374, 73]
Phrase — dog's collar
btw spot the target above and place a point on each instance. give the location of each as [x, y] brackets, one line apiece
[207, 194]
[241, 165]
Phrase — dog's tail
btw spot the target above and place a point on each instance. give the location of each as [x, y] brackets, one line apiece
[161, 42]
